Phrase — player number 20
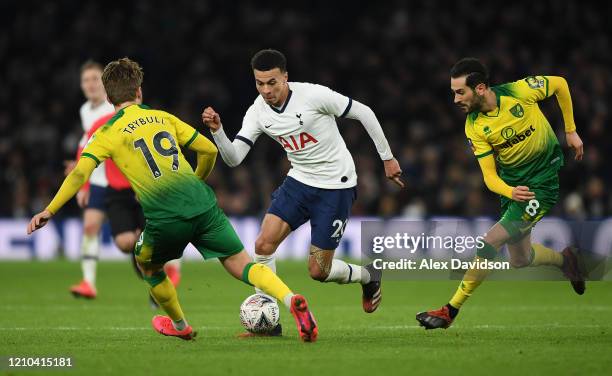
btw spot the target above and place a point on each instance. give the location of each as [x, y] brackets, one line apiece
[532, 207]
[340, 227]
[172, 151]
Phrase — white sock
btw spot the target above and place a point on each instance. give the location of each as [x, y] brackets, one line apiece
[287, 300]
[179, 325]
[341, 272]
[270, 262]
[90, 249]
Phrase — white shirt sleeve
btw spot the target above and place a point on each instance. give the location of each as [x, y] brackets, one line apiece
[329, 101]
[366, 116]
[233, 153]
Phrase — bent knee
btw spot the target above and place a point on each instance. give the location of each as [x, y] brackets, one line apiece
[264, 245]
[91, 229]
[316, 273]
[125, 242]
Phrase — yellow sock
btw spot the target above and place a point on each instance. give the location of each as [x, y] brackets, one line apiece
[165, 295]
[264, 278]
[471, 280]
[545, 256]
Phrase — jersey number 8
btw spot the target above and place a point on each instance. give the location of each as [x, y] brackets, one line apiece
[532, 207]
[172, 151]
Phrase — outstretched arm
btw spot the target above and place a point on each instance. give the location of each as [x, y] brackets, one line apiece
[233, 153]
[558, 86]
[497, 185]
[366, 116]
[71, 185]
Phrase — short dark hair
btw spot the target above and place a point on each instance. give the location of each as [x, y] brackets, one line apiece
[476, 72]
[269, 59]
[121, 79]
[91, 64]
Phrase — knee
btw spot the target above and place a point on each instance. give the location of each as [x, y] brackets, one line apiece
[91, 229]
[519, 261]
[264, 245]
[125, 242]
[317, 273]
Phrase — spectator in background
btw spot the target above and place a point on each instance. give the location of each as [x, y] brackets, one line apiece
[392, 56]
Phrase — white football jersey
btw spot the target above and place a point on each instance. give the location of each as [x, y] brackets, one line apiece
[89, 115]
[306, 128]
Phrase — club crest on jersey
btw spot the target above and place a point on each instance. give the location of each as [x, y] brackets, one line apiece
[299, 116]
[534, 82]
[517, 111]
[296, 142]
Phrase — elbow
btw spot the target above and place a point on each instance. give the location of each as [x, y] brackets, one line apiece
[560, 85]
[491, 186]
[367, 111]
[78, 176]
[212, 151]
[209, 153]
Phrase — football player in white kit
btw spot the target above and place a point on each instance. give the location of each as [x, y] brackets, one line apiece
[321, 184]
[92, 199]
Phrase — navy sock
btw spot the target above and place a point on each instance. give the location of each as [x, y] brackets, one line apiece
[452, 311]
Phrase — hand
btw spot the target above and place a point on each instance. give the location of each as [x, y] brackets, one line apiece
[83, 198]
[574, 142]
[393, 171]
[211, 119]
[522, 193]
[69, 166]
[39, 220]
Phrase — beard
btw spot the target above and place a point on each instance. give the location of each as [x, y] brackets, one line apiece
[476, 104]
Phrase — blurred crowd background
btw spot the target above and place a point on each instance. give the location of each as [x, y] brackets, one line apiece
[393, 56]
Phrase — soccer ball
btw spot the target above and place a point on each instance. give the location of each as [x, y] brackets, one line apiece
[259, 314]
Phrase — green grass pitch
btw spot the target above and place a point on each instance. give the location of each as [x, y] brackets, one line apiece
[506, 327]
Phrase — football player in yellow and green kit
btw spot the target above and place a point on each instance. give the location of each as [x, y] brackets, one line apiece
[178, 206]
[520, 158]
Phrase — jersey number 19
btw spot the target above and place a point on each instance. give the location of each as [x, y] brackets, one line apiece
[172, 151]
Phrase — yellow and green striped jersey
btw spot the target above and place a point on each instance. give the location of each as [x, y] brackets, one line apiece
[517, 133]
[144, 144]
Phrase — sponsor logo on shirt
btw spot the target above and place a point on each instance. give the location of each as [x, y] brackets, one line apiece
[508, 133]
[296, 142]
[516, 139]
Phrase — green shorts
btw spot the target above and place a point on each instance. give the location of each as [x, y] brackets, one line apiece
[518, 218]
[165, 239]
